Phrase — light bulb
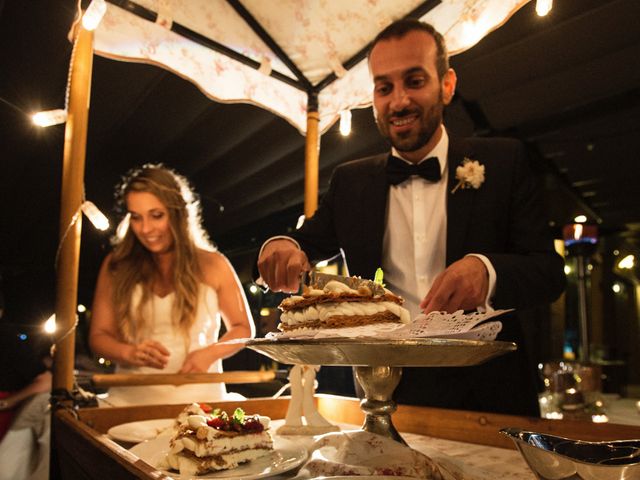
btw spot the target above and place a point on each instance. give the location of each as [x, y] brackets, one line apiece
[49, 117]
[580, 219]
[543, 7]
[50, 324]
[93, 15]
[599, 418]
[577, 231]
[345, 122]
[95, 215]
[627, 262]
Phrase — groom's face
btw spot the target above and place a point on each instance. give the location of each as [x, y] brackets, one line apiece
[408, 96]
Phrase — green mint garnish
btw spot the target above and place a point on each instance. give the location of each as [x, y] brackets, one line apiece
[379, 276]
[238, 416]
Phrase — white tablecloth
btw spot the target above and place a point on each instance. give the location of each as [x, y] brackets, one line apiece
[465, 461]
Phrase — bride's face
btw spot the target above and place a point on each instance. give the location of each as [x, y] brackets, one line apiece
[149, 220]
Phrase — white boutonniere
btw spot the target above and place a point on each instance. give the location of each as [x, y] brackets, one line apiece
[469, 175]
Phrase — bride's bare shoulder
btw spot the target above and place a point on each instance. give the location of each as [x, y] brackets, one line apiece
[215, 267]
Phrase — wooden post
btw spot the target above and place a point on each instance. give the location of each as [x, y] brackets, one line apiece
[311, 156]
[75, 143]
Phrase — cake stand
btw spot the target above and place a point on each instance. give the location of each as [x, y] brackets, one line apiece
[378, 364]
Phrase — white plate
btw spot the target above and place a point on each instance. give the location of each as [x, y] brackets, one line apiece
[136, 432]
[279, 461]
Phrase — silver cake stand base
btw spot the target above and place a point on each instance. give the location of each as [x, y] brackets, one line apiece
[379, 384]
[378, 364]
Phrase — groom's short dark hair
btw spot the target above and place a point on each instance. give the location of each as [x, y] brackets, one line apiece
[400, 28]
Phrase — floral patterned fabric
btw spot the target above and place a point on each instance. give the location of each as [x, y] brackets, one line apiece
[317, 35]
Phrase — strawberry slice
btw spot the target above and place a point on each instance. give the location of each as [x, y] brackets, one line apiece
[216, 422]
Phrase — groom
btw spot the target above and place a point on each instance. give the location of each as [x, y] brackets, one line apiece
[454, 224]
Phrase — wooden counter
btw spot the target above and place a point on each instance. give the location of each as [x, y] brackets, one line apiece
[82, 449]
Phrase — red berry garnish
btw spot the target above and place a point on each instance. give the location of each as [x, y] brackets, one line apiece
[216, 422]
[253, 425]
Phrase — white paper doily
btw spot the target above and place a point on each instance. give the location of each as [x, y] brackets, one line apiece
[471, 326]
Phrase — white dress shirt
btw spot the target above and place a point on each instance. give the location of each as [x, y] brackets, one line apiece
[412, 262]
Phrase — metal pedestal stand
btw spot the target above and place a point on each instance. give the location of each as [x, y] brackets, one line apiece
[380, 381]
[379, 384]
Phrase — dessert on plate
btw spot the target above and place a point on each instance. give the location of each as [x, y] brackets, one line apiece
[207, 440]
[332, 301]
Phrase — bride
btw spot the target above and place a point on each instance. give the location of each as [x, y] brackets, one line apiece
[162, 292]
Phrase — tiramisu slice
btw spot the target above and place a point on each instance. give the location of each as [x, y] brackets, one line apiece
[207, 440]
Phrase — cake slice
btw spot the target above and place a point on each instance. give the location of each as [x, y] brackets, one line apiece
[207, 440]
[340, 304]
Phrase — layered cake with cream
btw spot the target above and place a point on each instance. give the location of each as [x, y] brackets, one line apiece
[352, 302]
[207, 440]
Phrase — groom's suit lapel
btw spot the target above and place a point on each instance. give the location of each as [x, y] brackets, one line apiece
[374, 197]
[459, 204]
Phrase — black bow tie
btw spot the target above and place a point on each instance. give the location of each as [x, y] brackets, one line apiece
[398, 170]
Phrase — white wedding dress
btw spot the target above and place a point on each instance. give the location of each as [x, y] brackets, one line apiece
[204, 332]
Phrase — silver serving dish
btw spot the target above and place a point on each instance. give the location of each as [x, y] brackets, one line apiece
[420, 352]
[378, 364]
[558, 458]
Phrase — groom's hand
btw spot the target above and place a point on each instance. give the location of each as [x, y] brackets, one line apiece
[281, 264]
[462, 286]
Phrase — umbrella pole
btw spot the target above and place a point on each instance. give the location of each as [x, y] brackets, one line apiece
[311, 156]
[75, 142]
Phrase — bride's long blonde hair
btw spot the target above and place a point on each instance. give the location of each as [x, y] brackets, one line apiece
[132, 265]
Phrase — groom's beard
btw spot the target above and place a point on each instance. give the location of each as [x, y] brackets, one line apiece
[412, 140]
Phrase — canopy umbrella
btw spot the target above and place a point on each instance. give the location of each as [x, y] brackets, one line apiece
[278, 54]
[303, 60]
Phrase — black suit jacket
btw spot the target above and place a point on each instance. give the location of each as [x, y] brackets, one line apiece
[504, 220]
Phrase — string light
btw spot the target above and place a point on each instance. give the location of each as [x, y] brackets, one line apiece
[599, 418]
[580, 219]
[50, 324]
[577, 232]
[627, 262]
[543, 7]
[90, 20]
[94, 214]
[93, 15]
[54, 117]
[49, 117]
[345, 122]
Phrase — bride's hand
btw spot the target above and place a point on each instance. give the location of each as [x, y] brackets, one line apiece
[197, 361]
[149, 353]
